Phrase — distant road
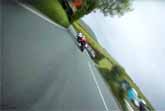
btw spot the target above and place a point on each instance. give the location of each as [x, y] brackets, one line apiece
[43, 69]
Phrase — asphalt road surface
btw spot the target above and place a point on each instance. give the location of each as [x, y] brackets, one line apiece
[44, 70]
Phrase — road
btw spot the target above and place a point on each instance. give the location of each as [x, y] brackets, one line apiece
[44, 70]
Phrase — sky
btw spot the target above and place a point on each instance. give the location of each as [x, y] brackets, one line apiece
[136, 40]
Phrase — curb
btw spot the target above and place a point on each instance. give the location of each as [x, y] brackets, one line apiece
[128, 105]
[72, 30]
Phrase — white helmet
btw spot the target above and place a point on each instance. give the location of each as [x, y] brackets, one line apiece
[80, 34]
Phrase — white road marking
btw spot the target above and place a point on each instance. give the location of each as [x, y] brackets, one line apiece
[34, 11]
[99, 90]
[128, 106]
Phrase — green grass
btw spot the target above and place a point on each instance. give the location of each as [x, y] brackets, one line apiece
[106, 65]
[52, 9]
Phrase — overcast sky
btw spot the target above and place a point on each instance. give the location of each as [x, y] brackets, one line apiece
[137, 41]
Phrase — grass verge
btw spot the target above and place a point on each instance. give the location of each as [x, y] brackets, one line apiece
[53, 9]
[111, 71]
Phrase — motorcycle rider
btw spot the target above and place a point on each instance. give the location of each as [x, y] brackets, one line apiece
[142, 106]
[82, 40]
[79, 36]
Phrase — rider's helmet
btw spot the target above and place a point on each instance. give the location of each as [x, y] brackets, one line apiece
[80, 35]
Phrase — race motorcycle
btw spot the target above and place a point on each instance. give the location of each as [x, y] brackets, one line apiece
[82, 42]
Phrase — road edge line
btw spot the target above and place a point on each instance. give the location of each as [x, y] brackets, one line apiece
[36, 12]
[128, 105]
[99, 90]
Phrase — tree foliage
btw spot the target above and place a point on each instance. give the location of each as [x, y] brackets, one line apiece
[87, 7]
[114, 7]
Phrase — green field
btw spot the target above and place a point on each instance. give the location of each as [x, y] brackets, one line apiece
[112, 72]
[52, 9]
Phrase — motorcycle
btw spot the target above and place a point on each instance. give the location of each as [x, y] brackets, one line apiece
[82, 44]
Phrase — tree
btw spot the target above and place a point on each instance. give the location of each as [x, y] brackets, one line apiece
[87, 7]
[114, 7]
